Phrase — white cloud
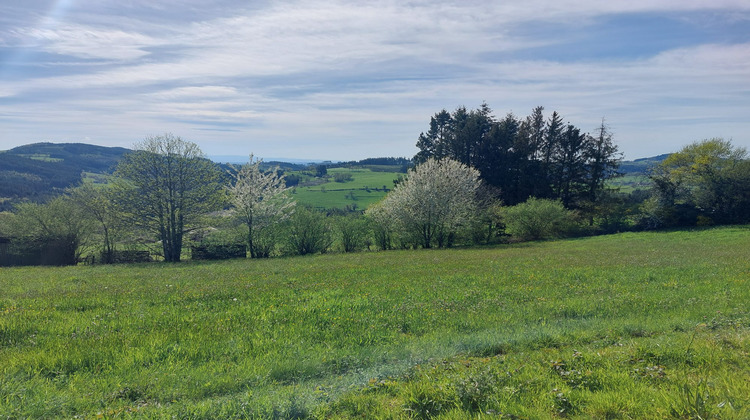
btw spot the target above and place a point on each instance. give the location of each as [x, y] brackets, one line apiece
[87, 42]
[196, 92]
[364, 74]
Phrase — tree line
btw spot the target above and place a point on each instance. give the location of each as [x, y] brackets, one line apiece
[475, 179]
[525, 157]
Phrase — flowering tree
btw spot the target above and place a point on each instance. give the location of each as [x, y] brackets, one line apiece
[259, 200]
[436, 200]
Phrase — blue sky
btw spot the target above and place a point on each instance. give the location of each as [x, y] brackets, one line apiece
[346, 80]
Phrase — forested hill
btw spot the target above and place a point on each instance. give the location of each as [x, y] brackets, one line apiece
[641, 166]
[38, 171]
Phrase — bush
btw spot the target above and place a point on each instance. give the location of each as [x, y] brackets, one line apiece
[538, 219]
[434, 204]
[308, 233]
[49, 250]
[382, 226]
[342, 177]
[352, 232]
[128, 256]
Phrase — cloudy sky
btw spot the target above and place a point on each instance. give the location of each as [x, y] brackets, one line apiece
[353, 79]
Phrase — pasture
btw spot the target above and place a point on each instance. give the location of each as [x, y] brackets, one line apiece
[634, 325]
[366, 187]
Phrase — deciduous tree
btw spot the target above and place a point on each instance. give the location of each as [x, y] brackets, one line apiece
[711, 176]
[259, 200]
[436, 200]
[97, 202]
[166, 186]
[59, 222]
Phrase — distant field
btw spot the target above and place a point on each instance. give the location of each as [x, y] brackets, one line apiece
[635, 325]
[629, 183]
[42, 157]
[365, 188]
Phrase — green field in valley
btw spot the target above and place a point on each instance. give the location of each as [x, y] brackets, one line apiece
[365, 188]
[634, 325]
[628, 183]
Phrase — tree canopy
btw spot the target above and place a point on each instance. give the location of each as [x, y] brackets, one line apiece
[437, 198]
[259, 200]
[523, 158]
[167, 185]
[709, 179]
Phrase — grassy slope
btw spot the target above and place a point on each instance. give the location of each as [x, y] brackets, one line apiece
[631, 325]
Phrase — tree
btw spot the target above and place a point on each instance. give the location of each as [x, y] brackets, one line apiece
[570, 166]
[523, 158]
[603, 159]
[352, 232]
[58, 228]
[434, 142]
[98, 203]
[166, 185]
[711, 178]
[382, 225]
[436, 200]
[259, 200]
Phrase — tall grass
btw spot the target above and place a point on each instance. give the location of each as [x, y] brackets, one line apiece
[600, 321]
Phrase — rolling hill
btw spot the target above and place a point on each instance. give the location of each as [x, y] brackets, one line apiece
[39, 171]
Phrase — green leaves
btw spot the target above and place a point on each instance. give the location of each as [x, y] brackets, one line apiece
[166, 186]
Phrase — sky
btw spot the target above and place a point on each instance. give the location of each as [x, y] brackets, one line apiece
[348, 80]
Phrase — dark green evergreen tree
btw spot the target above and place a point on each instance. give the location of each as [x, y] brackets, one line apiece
[524, 158]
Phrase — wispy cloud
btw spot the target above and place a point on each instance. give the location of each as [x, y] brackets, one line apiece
[350, 80]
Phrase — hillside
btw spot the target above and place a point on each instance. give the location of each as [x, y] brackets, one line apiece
[39, 171]
[640, 166]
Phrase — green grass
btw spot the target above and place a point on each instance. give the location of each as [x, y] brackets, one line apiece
[628, 183]
[365, 188]
[646, 325]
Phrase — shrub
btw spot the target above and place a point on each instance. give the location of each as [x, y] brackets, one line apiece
[342, 177]
[537, 219]
[308, 233]
[352, 232]
[218, 251]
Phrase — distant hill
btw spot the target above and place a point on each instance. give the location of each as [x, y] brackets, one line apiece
[641, 166]
[37, 172]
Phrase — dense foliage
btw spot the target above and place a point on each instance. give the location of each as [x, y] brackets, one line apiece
[706, 182]
[523, 158]
[434, 202]
[476, 180]
[166, 187]
[537, 219]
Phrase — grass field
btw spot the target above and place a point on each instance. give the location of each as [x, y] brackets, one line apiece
[628, 183]
[635, 325]
[365, 188]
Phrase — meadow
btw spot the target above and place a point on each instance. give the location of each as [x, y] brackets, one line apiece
[366, 187]
[633, 325]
